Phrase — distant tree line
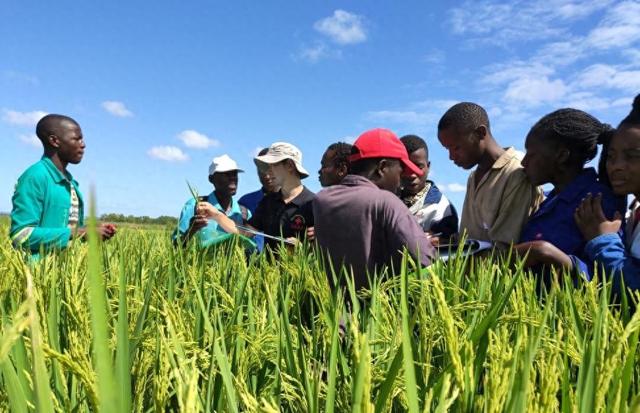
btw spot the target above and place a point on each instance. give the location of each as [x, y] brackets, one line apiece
[143, 220]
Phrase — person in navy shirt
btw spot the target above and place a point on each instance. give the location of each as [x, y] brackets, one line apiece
[619, 255]
[252, 199]
[558, 147]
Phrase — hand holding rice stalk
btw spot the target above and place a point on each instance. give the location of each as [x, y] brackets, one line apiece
[206, 209]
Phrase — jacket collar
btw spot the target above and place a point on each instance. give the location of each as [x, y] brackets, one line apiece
[55, 172]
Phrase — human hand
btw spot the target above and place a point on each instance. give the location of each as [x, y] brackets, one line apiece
[293, 241]
[435, 239]
[591, 221]
[207, 210]
[107, 231]
[196, 223]
[311, 234]
[542, 252]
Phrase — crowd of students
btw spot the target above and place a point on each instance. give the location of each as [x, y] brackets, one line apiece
[377, 199]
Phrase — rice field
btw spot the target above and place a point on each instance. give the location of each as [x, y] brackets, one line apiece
[135, 325]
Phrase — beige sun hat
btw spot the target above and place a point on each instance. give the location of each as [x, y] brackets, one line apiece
[279, 151]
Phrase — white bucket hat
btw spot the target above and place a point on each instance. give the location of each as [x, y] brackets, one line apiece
[223, 163]
[279, 151]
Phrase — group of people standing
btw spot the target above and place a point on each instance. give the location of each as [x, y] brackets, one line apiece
[378, 202]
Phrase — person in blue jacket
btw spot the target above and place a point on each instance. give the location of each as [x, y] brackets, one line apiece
[558, 147]
[48, 207]
[618, 255]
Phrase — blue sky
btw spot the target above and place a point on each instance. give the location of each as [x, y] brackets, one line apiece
[161, 87]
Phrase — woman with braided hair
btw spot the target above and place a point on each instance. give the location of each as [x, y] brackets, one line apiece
[558, 147]
[619, 255]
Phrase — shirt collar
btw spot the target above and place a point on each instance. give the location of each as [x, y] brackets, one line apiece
[357, 180]
[235, 208]
[302, 198]
[55, 172]
[505, 158]
[587, 178]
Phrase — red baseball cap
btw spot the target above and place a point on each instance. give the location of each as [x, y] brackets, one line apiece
[382, 143]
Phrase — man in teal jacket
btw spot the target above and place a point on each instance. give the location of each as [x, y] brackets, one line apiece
[48, 208]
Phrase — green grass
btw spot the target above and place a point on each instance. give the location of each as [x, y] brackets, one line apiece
[136, 325]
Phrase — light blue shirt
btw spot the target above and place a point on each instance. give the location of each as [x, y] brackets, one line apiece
[212, 232]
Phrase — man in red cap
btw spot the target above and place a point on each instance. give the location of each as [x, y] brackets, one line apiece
[360, 223]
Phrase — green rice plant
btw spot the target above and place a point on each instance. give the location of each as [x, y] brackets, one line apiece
[139, 325]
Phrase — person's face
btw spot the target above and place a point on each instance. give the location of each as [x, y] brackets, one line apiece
[280, 171]
[390, 173]
[464, 149]
[412, 184]
[330, 173]
[267, 181]
[69, 142]
[623, 161]
[540, 160]
[225, 182]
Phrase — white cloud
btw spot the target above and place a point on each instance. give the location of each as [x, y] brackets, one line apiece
[23, 118]
[343, 27]
[116, 108]
[607, 76]
[167, 153]
[619, 28]
[627, 101]
[194, 139]
[506, 72]
[455, 187]
[31, 140]
[318, 52]
[535, 90]
[586, 101]
[506, 22]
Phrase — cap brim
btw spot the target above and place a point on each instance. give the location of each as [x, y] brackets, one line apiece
[410, 168]
[225, 170]
[269, 159]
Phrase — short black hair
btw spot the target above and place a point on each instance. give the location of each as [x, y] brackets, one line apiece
[413, 143]
[50, 125]
[464, 116]
[633, 118]
[580, 132]
[342, 151]
[263, 151]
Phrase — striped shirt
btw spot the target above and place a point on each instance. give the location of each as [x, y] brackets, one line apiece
[433, 211]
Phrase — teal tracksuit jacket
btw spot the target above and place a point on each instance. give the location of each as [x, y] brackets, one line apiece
[41, 203]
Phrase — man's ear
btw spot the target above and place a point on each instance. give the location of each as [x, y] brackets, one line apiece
[53, 141]
[563, 154]
[382, 165]
[481, 132]
[342, 169]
